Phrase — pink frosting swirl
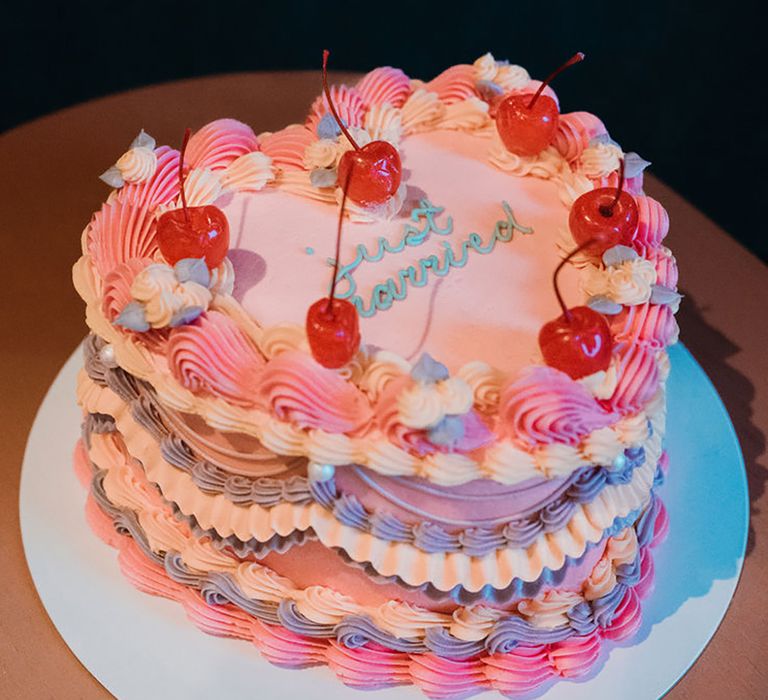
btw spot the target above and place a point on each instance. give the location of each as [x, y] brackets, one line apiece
[213, 356]
[652, 224]
[645, 584]
[297, 389]
[638, 378]
[627, 618]
[574, 657]
[286, 147]
[220, 143]
[574, 132]
[650, 325]
[117, 286]
[454, 84]
[385, 85]
[284, 648]
[349, 104]
[371, 666]
[545, 405]
[661, 526]
[439, 677]
[161, 188]
[118, 232]
[519, 671]
[666, 267]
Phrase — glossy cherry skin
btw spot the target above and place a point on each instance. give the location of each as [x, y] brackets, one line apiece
[592, 217]
[333, 333]
[523, 130]
[578, 346]
[204, 235]
[376, 173]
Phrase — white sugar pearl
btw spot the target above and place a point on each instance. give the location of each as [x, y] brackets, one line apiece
[619, 462]
[320, 472]
[107, 355]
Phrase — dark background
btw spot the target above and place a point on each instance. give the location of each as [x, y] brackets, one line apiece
[678, 81]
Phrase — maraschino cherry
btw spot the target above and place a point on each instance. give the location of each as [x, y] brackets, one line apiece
[607, 216]
[578, 342]
[377, 165]
[332, 325]
[527, 124]
[193, 232]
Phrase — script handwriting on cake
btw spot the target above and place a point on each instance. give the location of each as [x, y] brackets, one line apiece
[415, 233]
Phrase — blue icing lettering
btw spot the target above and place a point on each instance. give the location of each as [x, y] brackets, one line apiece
[424, 223]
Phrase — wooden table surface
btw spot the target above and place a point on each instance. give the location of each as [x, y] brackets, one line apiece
[48, 188]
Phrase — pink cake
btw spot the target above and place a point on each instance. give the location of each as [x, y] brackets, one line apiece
[446, 509]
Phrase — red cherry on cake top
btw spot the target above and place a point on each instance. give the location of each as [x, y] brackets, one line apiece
[332, 324]
[606, 216]
[578, 342]
[377, 167]
[193, 232]
[527, 124]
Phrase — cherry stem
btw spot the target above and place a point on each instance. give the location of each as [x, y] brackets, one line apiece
[335, 114]
[567, 258]
[181, 173]
[572, 61]
[329, 308]
[607, 210]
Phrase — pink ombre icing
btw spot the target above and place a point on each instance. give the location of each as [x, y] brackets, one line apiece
[118, 232]
[652, 225]
[574, 657]
[439, 677]
[372, 666]
[161, 187]
[282, 647]
[547, 406]
[666, 267]
[638, 379]
[519, 671]
[574, 132]
[213, 356]
[385, 85]
[286, 147]
[454, 84]
[117, 285]
[296, 388]
[348, 102]
[627, 618]
[650, 325]
[219, 143]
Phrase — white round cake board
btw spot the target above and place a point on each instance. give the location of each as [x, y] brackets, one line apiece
[140, 646]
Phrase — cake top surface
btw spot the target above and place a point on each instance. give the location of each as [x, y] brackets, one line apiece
[463, 271]
[457, 264]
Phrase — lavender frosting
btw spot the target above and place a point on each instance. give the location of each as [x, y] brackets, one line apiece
[354, 631]
[582, 487]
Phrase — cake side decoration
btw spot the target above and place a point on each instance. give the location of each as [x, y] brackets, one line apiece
[371, 172]
[526, 124]
[192, 232]
[422, 477]
[137, 164]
